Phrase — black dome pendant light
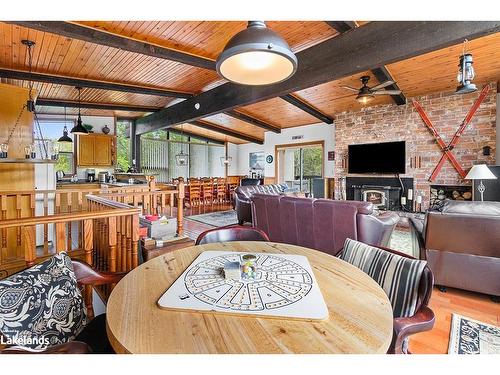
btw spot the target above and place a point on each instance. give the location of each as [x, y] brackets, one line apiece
[256, 56]
[79, 128]
[65, 137]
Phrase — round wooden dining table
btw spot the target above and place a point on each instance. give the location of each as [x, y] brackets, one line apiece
[360, 315]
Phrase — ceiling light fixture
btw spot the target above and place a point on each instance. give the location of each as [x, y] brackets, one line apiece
[182, 159]
[79, 128]
[256, 56]
[365, 95]
[466, 72]
[65, 137]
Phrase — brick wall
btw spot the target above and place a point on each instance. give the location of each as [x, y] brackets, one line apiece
[396, 123]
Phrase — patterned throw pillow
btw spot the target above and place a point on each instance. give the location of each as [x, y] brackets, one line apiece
[42, 306]
[397, 275]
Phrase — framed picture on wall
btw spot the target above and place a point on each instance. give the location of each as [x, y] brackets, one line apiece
[256, 160]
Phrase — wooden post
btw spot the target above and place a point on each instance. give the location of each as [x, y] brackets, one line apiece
[135, 240]
[172, 202]
[60, 237]
[29, 244]
[180, 207]
[112, 243]
[88, 240]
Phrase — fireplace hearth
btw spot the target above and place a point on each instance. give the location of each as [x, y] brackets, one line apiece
[383, 192]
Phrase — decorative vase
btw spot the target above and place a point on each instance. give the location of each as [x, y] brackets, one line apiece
[105, 129]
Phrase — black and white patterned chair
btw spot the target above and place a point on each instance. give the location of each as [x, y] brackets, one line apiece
[42, 309]
[406, 281]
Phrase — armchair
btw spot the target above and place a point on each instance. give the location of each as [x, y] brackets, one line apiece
[93, 338]
[411, 311]
[422, 320]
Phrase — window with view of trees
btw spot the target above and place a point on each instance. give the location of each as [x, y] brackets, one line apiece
[52, 130]
[158, 150]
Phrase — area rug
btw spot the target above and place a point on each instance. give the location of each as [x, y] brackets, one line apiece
[216, 219]
[469, 336]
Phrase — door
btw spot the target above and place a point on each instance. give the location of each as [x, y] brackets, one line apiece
[102, 150]
[86, 150]
[299, 165]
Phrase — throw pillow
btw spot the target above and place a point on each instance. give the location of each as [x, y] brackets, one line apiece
[397, 275]
[42, 306]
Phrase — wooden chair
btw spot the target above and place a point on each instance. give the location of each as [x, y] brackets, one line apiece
[93, 338]
[230, 188]
[231, 233]
[220, 190]
[194, 193]
[207, 193]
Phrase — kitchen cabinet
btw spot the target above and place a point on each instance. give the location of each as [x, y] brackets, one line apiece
[95, 150]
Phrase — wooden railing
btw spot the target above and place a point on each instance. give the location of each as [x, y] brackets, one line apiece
[101, 228]
[98, 241]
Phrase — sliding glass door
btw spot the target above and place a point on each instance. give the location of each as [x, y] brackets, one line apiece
[298, 165]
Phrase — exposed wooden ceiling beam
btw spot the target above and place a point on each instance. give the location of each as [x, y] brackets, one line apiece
[219, 129]
[89, 83]
[107, 106]
[93, 35]
[342, 26]
[191, 134]
[252, 120]
[306, 107]
[375, 44]
[382, 74]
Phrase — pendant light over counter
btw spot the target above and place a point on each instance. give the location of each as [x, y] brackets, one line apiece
[65, 137]
[79, 128]
[256, 56]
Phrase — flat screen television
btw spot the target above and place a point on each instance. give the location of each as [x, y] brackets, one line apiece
[382, 158]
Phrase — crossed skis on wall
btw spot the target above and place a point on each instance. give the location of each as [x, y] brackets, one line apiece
[447, 148]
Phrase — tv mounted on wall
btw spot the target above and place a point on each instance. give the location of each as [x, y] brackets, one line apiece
[382, 158]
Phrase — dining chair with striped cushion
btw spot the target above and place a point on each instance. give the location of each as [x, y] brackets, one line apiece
[406, 281]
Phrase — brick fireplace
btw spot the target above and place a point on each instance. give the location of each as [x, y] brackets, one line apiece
[387, 123]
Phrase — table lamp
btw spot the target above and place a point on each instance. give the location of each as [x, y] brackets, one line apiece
[480, 172]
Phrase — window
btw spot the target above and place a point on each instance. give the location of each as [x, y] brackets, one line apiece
[52, 130]
[123, 161]
[158, 156]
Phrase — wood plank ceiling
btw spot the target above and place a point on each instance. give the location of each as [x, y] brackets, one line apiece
[59, 55]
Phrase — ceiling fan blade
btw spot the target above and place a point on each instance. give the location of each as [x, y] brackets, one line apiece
[387, 92]
[350, 88]
[382, 85]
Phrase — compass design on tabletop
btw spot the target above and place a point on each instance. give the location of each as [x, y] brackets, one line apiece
[278, 282]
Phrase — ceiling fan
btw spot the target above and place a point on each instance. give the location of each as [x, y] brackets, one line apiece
[365, 93]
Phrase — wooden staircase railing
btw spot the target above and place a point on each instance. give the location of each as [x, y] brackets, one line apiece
[101, 228]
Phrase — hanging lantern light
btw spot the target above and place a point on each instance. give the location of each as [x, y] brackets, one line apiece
[79, 128]
[466, 72]
[226, 160]
[181, 159]
[65, 137]
[256, 56]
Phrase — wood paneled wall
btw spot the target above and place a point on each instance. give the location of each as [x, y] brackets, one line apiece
[15, 176]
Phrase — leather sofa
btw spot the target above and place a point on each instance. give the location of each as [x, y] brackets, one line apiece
[321, 224]
[461, 242]
[242, 195]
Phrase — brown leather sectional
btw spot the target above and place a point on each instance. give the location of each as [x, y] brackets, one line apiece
[242, 195]
[461, 243]
[321, 224]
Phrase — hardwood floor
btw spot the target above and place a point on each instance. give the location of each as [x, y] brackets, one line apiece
[473, 305]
